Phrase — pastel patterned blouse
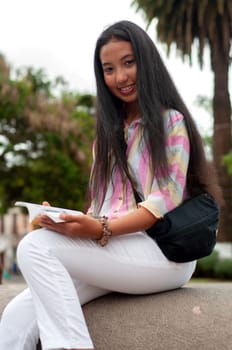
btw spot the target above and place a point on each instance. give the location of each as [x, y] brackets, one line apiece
[119, 201]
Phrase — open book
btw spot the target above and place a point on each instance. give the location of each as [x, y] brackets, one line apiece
[52, 212]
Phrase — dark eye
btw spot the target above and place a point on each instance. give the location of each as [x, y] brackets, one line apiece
[107, 69]
[130, 62]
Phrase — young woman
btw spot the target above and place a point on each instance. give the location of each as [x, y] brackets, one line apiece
[145, 138]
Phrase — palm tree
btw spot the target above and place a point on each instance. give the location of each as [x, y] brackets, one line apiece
[204, 23]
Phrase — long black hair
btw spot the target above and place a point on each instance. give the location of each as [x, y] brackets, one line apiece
[156, 92]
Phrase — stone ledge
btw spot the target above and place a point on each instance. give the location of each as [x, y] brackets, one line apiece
[197, 316]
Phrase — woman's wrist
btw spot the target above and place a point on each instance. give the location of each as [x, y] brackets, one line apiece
[106, 233]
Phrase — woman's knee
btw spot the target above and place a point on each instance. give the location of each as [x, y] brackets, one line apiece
[23, 249]
[29, 248]
[37, 248]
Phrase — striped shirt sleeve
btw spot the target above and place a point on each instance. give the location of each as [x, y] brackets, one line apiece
[172, 190]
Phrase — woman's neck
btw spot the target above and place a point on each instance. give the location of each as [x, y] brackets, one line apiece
[132, 113]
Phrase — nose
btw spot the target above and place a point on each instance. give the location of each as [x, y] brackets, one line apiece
[121, 76]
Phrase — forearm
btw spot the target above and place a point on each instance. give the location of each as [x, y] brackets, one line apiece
[85, 226]
[139, 220]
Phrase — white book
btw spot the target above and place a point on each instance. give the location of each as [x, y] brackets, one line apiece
[52, 212]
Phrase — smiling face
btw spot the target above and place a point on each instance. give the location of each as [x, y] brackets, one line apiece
[120, 70]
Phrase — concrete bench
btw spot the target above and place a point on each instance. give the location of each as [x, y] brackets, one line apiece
[197, 316]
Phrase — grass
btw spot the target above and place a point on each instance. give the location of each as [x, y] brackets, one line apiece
[208, 280]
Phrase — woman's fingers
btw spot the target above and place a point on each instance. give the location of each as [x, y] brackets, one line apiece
[70, 217]
[81, 226]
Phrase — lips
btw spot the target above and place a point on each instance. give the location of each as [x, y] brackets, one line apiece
[127, 90]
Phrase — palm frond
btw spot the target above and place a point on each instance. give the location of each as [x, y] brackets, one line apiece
[184, 22]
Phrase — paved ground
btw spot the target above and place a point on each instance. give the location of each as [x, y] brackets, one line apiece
[14, 279]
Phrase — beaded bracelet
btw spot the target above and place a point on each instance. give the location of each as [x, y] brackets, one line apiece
[106, 232]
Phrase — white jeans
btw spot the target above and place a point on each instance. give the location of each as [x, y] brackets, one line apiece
[62, 274]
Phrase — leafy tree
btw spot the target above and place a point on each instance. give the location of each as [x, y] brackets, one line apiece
[205, 22]
[45, 142]
[227, 160]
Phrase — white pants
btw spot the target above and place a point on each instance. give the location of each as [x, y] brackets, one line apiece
[63, 273]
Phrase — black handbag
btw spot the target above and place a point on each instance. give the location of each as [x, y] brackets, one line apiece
[189, 231]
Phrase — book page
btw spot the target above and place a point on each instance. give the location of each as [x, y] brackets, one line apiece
[52, 212]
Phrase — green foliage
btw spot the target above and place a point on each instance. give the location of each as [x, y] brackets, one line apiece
[45, 140]
[227, 160]
[206, 265]
[65, 178]
[213, 266]
[223, 269]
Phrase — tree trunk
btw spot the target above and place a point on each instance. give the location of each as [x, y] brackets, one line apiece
[222, 131]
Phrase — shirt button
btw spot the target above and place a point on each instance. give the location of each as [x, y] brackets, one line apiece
[120, 198]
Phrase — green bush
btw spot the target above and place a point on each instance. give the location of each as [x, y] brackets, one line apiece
[213, 266]
[227, 160]
[206, 266]
[223, 268]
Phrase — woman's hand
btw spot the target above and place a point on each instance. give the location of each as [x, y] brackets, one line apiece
[82, 226]
[36, 221]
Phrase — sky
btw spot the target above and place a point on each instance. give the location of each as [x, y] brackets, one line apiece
[59, 36]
